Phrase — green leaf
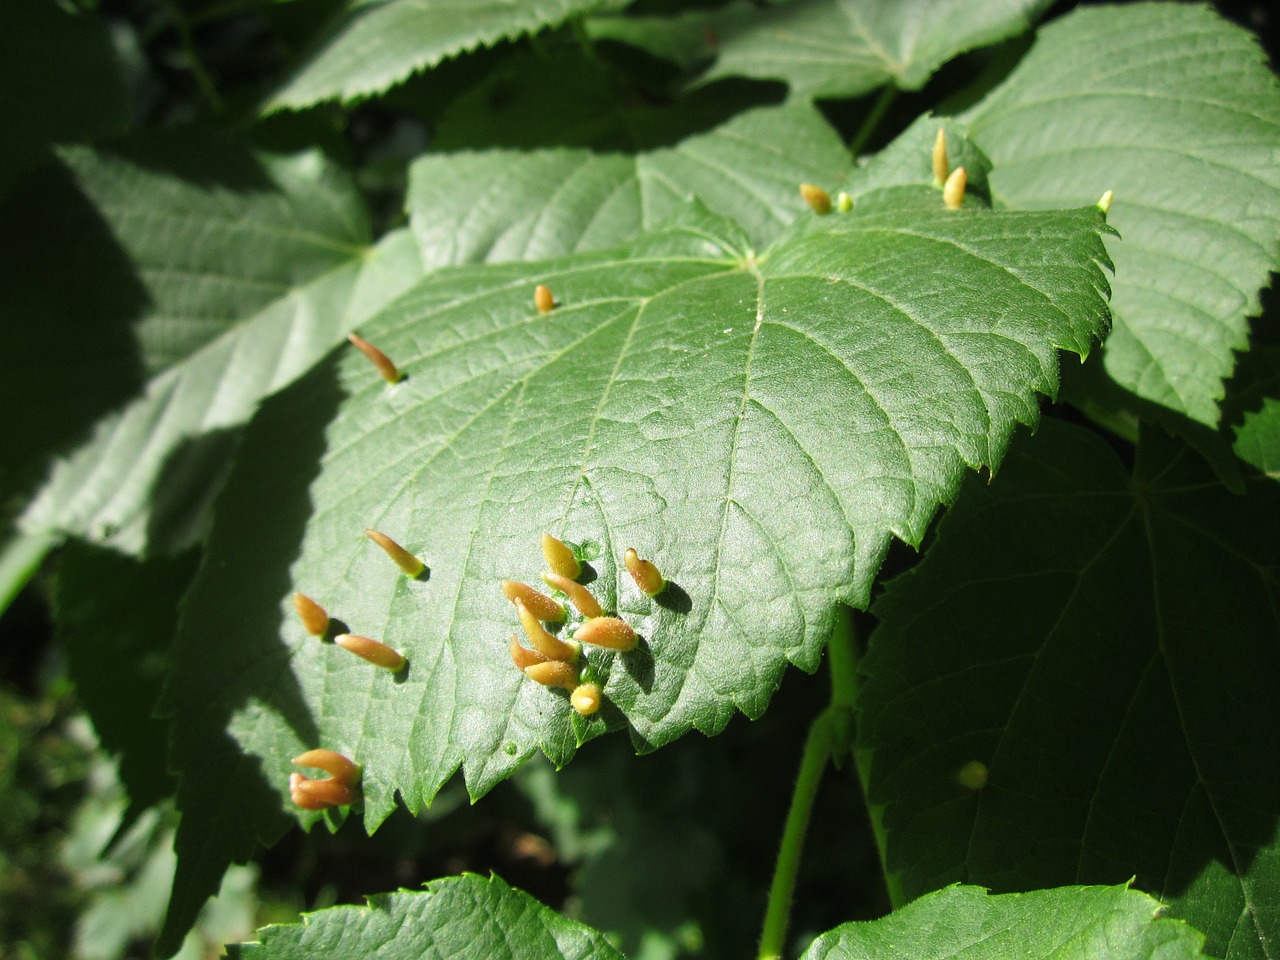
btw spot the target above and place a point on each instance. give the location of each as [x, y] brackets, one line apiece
[375, 44]
[508, 205]
[841, 48]
[1088, 923]
[466, 916]
[1175, 110]
[685, 39]
[1105, 644]
[248, 270]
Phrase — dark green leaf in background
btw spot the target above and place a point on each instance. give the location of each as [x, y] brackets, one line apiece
[1106, 644]
[841, 48]
[466, 916]
[1175, 110]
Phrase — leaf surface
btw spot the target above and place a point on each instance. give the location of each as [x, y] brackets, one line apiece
[520, 205]
[841, 48]
[1175, 110]
[1121, 699]
[465, 916]
[375, 44]
[1088, 923]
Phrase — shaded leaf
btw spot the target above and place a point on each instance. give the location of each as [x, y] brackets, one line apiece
[1175, 110]
[507, 205]
[1105, 644]
[466, 916]
[375, 44]
[841, 48]
[1088, 923]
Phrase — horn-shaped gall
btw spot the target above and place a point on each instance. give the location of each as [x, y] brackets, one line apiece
[550, 646]
[609, 632]
[540, 605]
[1104, 203]
[553, 673]
[586, 698]
[375, 651]
[560, 557]
[402, 558]
[578, 595]
[341, 768]
[941, 167]
[543, 298]
[819, 200]
[379, 359]
[953, 189]
[315, 620]
[320, 794]
[647, 576]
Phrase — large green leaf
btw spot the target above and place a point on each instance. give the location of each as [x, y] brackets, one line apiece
[1085, 923]
[510, 205]
[1105, 644]
[841, 48]
[466, 916]
[1176, 111]
[760, 426]
[249, 269]
[375, 44]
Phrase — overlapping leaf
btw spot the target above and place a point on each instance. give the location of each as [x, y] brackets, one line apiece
[466, 916]
[519, 205]
[248, 270]
[1105, 644]
[1086, 923]
[375, 44]
[1176, 111]
[841, 48]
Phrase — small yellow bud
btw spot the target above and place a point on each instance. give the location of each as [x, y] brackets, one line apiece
[953, 189]
[401, 557]
[540, 605]
[819, 200]
[578, 595]
[320, 794]
[543, 299]
[586, 698]
[523, 657]
[1104, 204]
[941, 167]
[341, 768]
[647, 577]
[560, 557]
[844, 202]
[973, 775]
[377, 358]
[607, 632]
[553, 673]
[376, 652]
[550, 646]
[313, 616]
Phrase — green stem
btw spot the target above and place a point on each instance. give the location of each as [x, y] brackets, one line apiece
[887, 94]
[194, 63]
[817, 750]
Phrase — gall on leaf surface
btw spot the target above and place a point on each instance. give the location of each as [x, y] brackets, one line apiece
[1104, 641]
[1175, 110]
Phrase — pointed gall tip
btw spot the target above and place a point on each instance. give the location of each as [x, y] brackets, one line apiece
[844, 202]
[374, 651]
[1104, 204]
[315, 620]
[953, 189]
[819, 200]
[578, 595]
[379, 359]
[941, 166]
[335, 764]
[553, 673]
[647, 576]
[402, 558]
[608, 632]
[586, 698]
[522, 656]
[543, 298]
[547, 644]
[560, 557]
[540, 605]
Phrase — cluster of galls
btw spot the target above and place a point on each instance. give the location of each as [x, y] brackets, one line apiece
[559, 663]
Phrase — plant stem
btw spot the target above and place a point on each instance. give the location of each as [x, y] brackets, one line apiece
[817, 750]
[194, 63]
[887, 94]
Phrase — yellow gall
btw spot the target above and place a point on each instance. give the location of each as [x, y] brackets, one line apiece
[647, 577]
[609, 632]
[540, 605]
[375, 651]
[379, 359]
[973, 775]
[522, 656]
[553, 673]
[1104, 203]
[578, 595]
[819, 200]
[543, 298]
[331, 762]
[941, 167]
[560, 557]
[402, 558]
[953, 189]
[586, 698]
[320, 794]
[313, 616]
[549, 645]
[844, 202]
